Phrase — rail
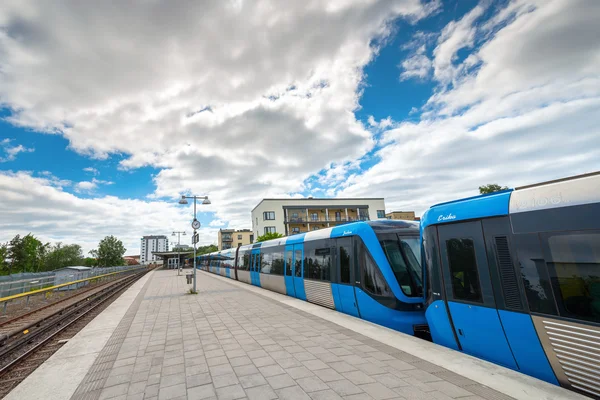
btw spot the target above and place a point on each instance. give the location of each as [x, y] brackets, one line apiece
[50, 288]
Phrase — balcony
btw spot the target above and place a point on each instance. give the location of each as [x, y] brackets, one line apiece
[304, 220]
[227, 238]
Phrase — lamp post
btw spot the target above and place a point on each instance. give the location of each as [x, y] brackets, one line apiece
[195, 226]
[179, 233]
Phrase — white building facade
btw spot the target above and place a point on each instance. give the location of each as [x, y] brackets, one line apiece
[292, 216]
[151, 244]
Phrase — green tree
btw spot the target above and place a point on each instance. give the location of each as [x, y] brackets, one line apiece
[491, 188]
[4, 265]
[268, 236]
[60, 256]
[110, 252]
[89, 262]
[211, 248]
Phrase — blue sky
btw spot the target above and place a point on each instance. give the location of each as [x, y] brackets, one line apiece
[417, 102]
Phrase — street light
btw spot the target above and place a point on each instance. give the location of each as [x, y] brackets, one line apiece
[178, 244]
[195, 226]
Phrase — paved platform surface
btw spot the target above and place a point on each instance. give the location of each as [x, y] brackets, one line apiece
[232, 342]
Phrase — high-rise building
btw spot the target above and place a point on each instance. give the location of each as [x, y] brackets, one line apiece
[231, 238]
[150, 244]
[291, 216]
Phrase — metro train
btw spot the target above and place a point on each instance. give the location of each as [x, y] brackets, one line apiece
[513, 277]
[370, 270]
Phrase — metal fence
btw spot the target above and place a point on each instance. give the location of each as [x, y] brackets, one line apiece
[28, 281]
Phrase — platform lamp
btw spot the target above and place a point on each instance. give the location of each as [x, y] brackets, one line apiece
[179, 234]
[195, 226]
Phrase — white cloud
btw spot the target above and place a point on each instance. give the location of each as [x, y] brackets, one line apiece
[91, 170]
[54, 215]
[217, 222]
[11, 152]
[239, 100]
[529, 113]
[90, 186]
[416, 66]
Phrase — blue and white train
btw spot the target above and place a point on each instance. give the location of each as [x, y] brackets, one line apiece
[514, 278]
[370, 270]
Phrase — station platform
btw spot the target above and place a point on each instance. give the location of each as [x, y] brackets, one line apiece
[236, 341]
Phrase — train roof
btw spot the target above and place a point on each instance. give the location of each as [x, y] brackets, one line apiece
[353, 228]
[575, 190]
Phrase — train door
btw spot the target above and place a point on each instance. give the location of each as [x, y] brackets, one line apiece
[255, 267]
[469, 293]
[346, 273]
[298, 271]
[289, 271]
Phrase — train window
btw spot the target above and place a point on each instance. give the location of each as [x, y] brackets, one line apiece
[463, 269]
[265, 262]
[288, 262]
[298, 257]
[277, 263]
[534, 273]
[317, 261]
[574, 266]
[345, 251]
[373, 279]
[245, 262]
[404, 254]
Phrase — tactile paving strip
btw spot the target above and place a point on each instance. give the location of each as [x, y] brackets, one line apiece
[93, 382]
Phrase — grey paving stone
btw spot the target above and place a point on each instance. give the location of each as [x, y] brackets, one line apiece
[196, 369]
[344, 387]
[170, 380]
[299, 372]
[422, 376]
[289, 362]
[230, 392]
[358, 377]
[263, 392]
[224, 380]
[221, 370]
[342, 366]
[244, 370]
[281, 381]
[114, 391]
[328, 375]
[378, 391]
[137, 387]
[449, 389]
[271, 370]
[217, 361]
[263, 361]
[325, 395]
[201, 392]
[311, 384]
[117, 380]
[292, 393]
[359, 396]
[173, 369]
[172, 361]
[198, 380]
[249, 381]
[151, 391]
[314, 365]
[236, 362]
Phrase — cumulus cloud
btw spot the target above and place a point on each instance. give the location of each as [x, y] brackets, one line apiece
[90, 186]
[241, 100]
[55, 215]
[530, 112]
[10, 151]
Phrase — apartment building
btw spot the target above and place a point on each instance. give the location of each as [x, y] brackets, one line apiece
[292, 216]
[404, 215]
[151, 244]
[231, 238]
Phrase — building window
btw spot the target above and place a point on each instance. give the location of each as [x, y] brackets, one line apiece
[315, 228]
[269, 229]
[295, 215]
[380, 213]
[251, 238]
[239, 237]
[269, 215]
[338, 216]
[296, 230]
[314, 217]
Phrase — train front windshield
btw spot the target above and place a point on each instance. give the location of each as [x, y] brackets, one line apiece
[404, 255]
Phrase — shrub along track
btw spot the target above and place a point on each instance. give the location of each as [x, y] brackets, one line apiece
[33, 339]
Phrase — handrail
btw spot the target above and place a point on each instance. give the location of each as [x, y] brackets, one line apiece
[25, 294]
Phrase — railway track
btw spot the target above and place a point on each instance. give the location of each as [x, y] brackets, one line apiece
[28, 340]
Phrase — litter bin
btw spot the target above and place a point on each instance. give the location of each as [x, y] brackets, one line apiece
[189, 278]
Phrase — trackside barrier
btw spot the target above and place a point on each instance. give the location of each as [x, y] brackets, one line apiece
[27, 294]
